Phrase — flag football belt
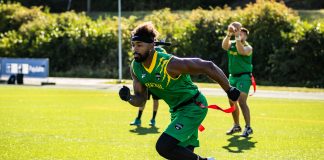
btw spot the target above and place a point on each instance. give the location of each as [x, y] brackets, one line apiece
[240, 74]
[194, 100]
[252, 79]
[189, 101]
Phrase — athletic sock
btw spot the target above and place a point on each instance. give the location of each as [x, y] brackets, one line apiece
[200, 158]
[139, 115]
[154, 114]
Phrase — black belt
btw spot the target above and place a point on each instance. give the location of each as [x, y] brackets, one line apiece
[189, 101]
[240, 74]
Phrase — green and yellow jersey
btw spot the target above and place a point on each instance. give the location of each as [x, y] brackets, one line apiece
[156, 78]
[238, 63]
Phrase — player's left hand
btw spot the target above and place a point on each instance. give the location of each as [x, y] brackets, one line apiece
[124, 93]
[231, 29]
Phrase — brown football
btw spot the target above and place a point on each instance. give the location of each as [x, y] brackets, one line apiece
[231, 28]
[237, 25]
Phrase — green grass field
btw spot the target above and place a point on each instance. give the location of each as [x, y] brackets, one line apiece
[213, 85]
[311, 15]
[49, 123]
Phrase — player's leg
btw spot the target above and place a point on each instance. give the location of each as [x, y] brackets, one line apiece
[245, 108]
[155, 108]
[183, 132]
[244, 84]
[191, 148]
[236, 127]
[246, 114]
[137, 121]
[167, 146]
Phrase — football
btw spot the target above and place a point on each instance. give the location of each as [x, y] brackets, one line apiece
[231, 29]
[237, 25]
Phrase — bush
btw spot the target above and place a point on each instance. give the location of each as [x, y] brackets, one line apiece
[269, 24]
[79, 46]
[12, 16]
[306, 59]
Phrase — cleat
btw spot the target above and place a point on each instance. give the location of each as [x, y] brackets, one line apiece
[247, 132]
[152, 122]
[233, 130]
[136, 122]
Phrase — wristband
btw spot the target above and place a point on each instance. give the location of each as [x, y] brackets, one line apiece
[130, 98]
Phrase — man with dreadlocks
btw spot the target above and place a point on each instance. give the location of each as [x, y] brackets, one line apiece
[168, 77]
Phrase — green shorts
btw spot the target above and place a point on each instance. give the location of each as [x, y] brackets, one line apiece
[185, 122]
[242, 83]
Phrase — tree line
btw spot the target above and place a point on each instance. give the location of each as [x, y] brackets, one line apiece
[148, 5]
[287, 50]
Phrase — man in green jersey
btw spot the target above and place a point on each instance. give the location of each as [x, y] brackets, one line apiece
[168, 77]
[240, 69]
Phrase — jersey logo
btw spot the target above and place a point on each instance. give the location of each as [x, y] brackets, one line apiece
[241, 85]
[143, 75]
[233, 53]
[178, 126]
[158, 76]
[153, 85]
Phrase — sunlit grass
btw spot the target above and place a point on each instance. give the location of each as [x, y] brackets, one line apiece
[47, 123]
[213, 85]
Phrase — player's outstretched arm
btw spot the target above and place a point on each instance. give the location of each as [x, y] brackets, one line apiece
[226, 43]
[140, 93]
[194, 66]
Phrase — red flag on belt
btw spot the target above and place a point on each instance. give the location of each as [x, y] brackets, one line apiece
[228, 110]
[253, 84]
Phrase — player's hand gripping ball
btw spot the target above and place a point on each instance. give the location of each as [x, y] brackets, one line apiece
[124, 93]
[234, 26]
[231, 29]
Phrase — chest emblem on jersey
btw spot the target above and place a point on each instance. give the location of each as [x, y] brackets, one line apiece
[158, 76]
[178, 126]
[143, 75]
[233, 53]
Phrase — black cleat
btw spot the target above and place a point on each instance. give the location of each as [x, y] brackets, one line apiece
[233, 130]
[247, 132]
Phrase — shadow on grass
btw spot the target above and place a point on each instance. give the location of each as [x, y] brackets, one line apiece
[143, 131]
[238, 144]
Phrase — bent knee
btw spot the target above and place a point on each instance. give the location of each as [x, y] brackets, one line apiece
[165, 144]
[162, 148]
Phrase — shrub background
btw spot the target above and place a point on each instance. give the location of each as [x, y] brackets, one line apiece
[148, 5]
[287, 50]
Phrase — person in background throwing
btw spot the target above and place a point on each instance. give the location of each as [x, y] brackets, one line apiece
[240, 67]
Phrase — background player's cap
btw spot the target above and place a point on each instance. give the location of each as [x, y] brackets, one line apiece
[245, 30]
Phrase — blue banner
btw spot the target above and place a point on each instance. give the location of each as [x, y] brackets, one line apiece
[30, 67]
